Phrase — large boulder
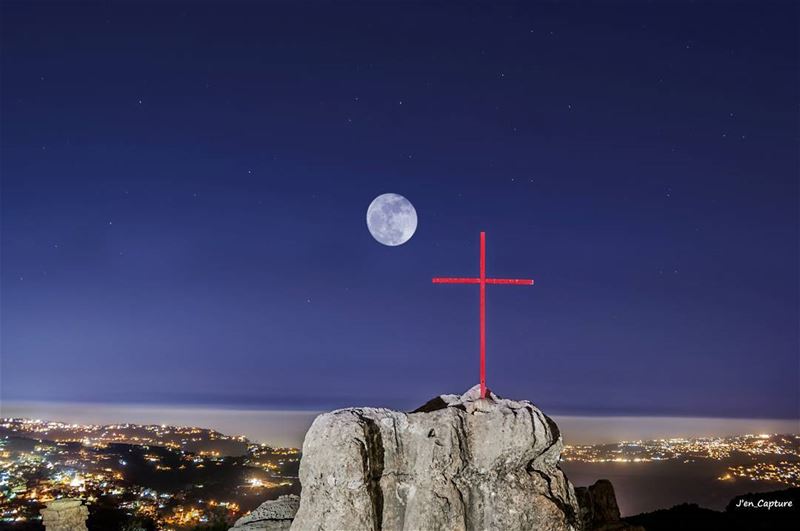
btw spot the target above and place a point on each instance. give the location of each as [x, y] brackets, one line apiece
[458, 462]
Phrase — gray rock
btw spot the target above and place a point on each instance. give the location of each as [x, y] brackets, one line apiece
[272, 515]
[456, 463]
[599, 510]
[65, 514]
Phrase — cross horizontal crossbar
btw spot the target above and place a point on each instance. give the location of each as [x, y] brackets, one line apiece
[462, 280]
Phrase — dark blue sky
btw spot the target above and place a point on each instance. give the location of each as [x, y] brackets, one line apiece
[184, 189]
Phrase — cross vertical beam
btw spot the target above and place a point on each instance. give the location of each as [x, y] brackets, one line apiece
[481, 280]
[483, 314]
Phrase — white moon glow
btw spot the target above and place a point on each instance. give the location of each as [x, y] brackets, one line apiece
[391, 219]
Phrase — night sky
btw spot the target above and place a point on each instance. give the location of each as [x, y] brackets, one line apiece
[184, 189]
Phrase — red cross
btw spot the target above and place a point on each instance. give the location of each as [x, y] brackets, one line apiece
[482, 280]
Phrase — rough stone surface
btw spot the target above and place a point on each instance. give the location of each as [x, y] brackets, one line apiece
[456, 463]
[272, 515]
[599, 510]
[66, 514]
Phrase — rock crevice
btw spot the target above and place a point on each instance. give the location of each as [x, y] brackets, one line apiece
[371, 449]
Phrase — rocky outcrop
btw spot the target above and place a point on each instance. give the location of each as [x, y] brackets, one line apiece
[272, 515]
[458, 462]
[599, 510]
[65, 514]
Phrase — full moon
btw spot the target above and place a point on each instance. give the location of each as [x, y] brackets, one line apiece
[391, 219]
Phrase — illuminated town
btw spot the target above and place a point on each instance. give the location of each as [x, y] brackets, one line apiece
[762, 457]
[173, 478]
[781, 472]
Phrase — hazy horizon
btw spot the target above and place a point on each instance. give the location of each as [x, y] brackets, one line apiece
[287, 427]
